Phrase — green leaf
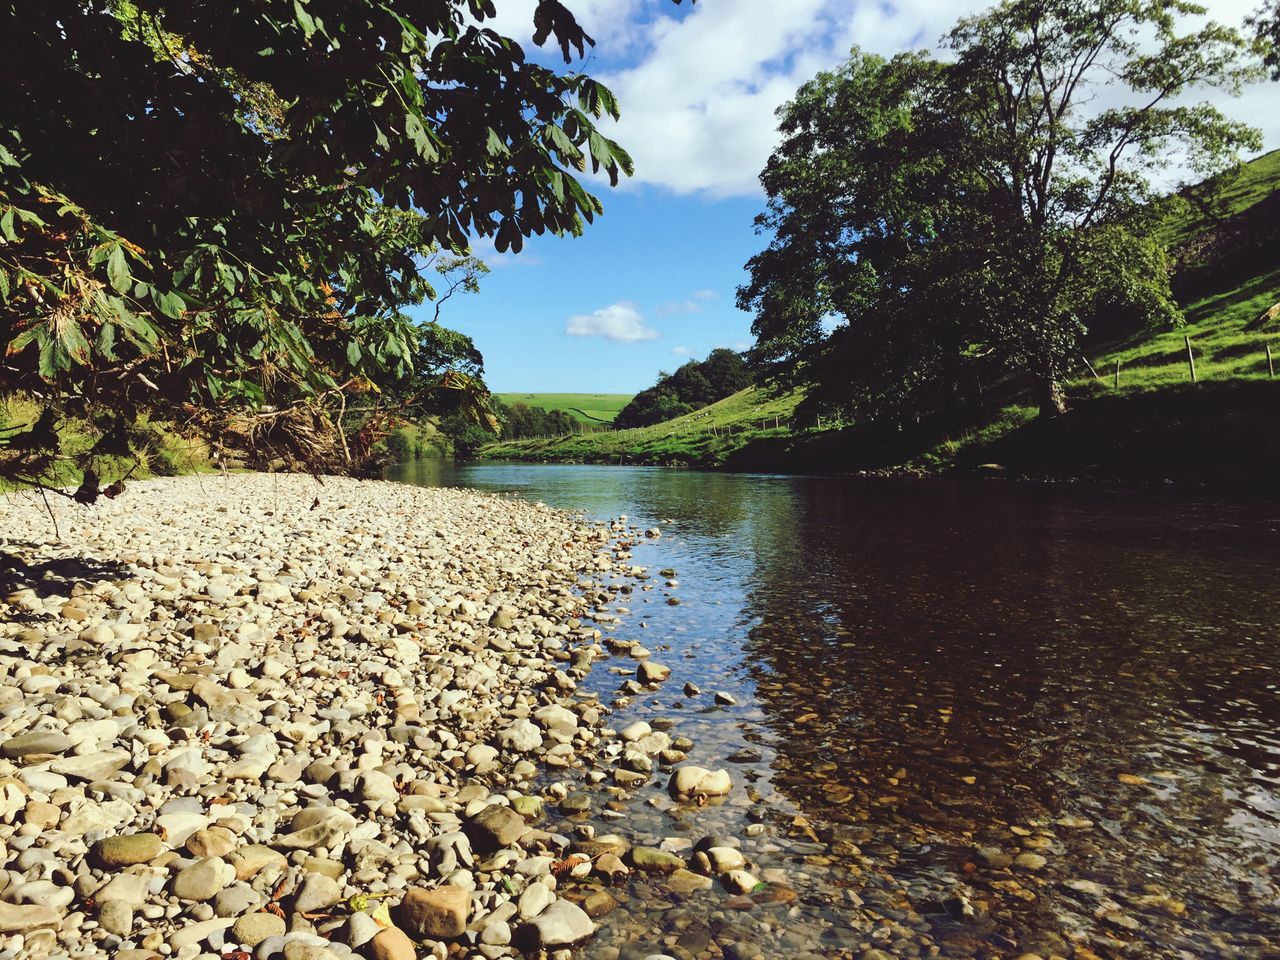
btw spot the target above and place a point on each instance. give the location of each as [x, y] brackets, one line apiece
[171, 305]
[118, 270]
[353, 353]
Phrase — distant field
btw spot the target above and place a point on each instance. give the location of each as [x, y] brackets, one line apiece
[588, 407]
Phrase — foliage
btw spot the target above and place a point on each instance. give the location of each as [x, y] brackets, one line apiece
[1266, 22]
[213, 209]
[694, 385]
[520, 421]
[940, 223]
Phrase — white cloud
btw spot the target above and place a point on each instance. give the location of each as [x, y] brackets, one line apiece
[698, 106]
[679, 306]
[680, 351]
[619, 322]
[704, 294]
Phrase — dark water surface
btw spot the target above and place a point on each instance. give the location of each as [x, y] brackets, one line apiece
[923, 670]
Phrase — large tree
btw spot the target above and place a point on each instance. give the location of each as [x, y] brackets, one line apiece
[211, 207]
[935, 216]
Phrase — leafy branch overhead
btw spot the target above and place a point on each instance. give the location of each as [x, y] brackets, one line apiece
[213, 207]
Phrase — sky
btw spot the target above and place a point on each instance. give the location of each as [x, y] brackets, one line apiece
[651, 283]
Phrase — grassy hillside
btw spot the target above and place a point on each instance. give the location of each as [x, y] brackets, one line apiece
[586, 407]
[709, 436]
[1151, 421]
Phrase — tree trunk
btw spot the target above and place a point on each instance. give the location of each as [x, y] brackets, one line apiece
[1053, 401]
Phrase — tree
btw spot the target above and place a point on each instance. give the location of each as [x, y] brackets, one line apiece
[210, 210]
[1266, 24]
[694, 385]
[931, 219]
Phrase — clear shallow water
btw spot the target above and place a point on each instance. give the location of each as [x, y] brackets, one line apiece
[925, 669]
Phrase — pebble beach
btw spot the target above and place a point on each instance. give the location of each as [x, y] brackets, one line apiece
[269, 716]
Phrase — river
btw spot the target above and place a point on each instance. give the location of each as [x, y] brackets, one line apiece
[933, 678]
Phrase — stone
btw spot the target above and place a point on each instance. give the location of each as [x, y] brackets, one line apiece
[536, 897]
[203, 880]
[650, 672]
[21, 918]
[560, 925]
[495, 827]
[115, 916]
[692, 781]
[317, 892]
[251, 858]
[126, 850]
[520, 736]
[653, 860]
[329, 827]
[1030, 862]
[37, 742]
[253, 928]
[392, 944]
[91, 766]
[375, 785]
[739, 881]
[437, 912]
[686, 881]
[213, 842]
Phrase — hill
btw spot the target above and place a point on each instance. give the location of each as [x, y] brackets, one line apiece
[584, 407]
[1148, 420]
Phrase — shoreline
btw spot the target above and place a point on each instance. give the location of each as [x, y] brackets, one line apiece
[220, 735]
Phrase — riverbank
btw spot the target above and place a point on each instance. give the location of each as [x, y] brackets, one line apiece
[1215, 433]
[313, 720]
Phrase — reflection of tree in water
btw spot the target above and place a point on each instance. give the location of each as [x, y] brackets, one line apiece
[937, 669]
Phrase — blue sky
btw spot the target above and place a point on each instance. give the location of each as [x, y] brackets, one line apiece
[652, 282]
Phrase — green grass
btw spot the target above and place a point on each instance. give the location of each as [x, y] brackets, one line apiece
[1258, 179]
[708, 437]
[585, 407]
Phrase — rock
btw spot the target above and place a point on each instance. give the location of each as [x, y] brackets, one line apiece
[520, 736]
[724, 699]
[317, 892]
[635, 731]
[251, 858]
[536, 897]
[43, 741]
[15, 918]
[598, 903]
[495, 827]
[739, 881]
[253, 928]
[91, 766]
[993, 858]
[653, 860]
[1029, 861]
[718, 860]
[375, 785]
[560, 925]
[686, 881]
[694, 781]
[115, 916]
[330, 826]
[392, 944]
[650, 672]
[496, 934]
[531, 808]
[203, 880]
[126, 850]
[437, 912]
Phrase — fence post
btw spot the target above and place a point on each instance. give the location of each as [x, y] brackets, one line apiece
[1086, 363]
[1271, 364]
[1117, 374]
[1191, 359]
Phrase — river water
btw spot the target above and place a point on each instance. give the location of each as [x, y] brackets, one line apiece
[931, 679]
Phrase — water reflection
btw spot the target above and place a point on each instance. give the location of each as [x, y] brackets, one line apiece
[927, 670]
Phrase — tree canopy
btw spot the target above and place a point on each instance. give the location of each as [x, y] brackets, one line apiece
[1266, 22]
[694, 385]
[934, 219]
[207, 209]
